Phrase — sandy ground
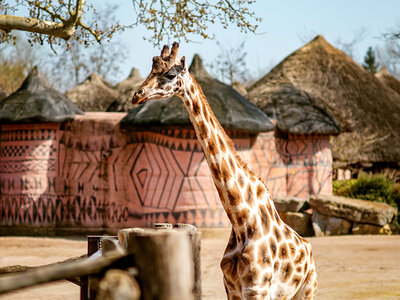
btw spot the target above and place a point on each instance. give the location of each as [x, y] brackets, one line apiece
[349, 267]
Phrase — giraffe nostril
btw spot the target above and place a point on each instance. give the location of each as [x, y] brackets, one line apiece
[139, 92]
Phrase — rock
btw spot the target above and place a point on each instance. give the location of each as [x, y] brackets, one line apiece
[326, 225]
[289, 203]
[359, 211]
[301, 222]
[371, 229]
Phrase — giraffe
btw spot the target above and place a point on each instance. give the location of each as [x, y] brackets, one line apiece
[264, 258]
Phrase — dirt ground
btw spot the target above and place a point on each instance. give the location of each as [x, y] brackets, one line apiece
[349, 267]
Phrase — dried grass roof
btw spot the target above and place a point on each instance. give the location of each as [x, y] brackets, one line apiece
[3, 93]
[35, 102]
[388, 79]
[233, 111]
[126, 89]
[93, 94]
[337, 88]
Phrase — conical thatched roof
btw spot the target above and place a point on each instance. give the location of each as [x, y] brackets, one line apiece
[35, 102]
[93, 94]
[388, 79]
[126, 89]
[233, 111]
[338, 91]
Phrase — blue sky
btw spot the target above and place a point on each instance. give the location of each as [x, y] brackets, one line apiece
[286, 26]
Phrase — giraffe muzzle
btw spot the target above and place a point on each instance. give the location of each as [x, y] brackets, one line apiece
[138, 97]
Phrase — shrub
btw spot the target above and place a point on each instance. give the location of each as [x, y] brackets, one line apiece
[375, 187]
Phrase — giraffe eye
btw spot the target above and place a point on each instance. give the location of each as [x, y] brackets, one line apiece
[170, 76]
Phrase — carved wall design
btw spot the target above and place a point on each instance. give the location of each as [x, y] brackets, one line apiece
[88, 174]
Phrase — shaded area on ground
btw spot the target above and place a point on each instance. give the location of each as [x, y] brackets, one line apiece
[349, 267]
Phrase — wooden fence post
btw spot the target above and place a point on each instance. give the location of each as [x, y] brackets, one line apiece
[164, 260]
[195, 237]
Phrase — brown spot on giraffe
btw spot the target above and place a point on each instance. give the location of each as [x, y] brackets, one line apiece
[264, 218]
[296, 280]
[234, 195]
[283, 251]
[242, 216]
[232, 164]
[292, 249]
[253, 232]
[216, 172]
[196, 110]
[287, 271]
[203, 130]
[221, 144]
[241, 180]
[225, 172]
[300, 257]
[212, 147]
[260, 191]
[264, 259]
[273, 247]
[277, 234]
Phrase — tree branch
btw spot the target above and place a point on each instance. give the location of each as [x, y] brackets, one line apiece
[62, 30]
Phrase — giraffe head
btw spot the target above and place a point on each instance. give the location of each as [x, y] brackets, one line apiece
[165, 79]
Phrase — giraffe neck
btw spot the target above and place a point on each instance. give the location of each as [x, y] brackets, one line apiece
[238, 188]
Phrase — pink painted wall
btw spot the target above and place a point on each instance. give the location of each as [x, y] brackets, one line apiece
[87, 174]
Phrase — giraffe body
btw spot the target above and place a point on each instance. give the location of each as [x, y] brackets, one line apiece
[265, 258]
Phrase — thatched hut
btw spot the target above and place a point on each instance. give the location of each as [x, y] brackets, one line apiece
[31, 122]
[93, 94]
[388, 79]
[170, 177]
[333, 92]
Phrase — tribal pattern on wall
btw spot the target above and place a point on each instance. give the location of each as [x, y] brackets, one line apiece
[87, 173]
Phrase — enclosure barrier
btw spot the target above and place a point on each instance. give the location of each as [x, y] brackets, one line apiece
[141, 264]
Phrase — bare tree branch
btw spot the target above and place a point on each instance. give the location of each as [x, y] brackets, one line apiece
[63, 30]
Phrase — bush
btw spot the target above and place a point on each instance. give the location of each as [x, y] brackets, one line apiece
[375, 187]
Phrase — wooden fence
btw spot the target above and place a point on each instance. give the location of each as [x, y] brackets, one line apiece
[161, 263]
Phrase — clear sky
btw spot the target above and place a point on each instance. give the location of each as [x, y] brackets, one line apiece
[286, 26]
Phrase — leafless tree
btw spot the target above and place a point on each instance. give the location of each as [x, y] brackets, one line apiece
[389, 56]
[57, 20]
[230, 64]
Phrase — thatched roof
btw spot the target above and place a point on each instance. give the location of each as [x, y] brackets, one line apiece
[3, 93]
[388, 79]
[338, 91]
[233, 111]
[93, 94]
[126, 89]
[35, 102]
[240, 88]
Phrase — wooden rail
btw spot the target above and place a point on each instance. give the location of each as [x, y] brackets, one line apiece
[142, 264]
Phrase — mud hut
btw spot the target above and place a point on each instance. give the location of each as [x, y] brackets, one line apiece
[126, 88]
[93, 94]
[334, 92]
[170, 177]
[388, 79]
[31, 124]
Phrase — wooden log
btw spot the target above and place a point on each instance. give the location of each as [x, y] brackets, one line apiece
[118, 285]
[195, 237]
[57, 272]
[164, 261]
[19, 268]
